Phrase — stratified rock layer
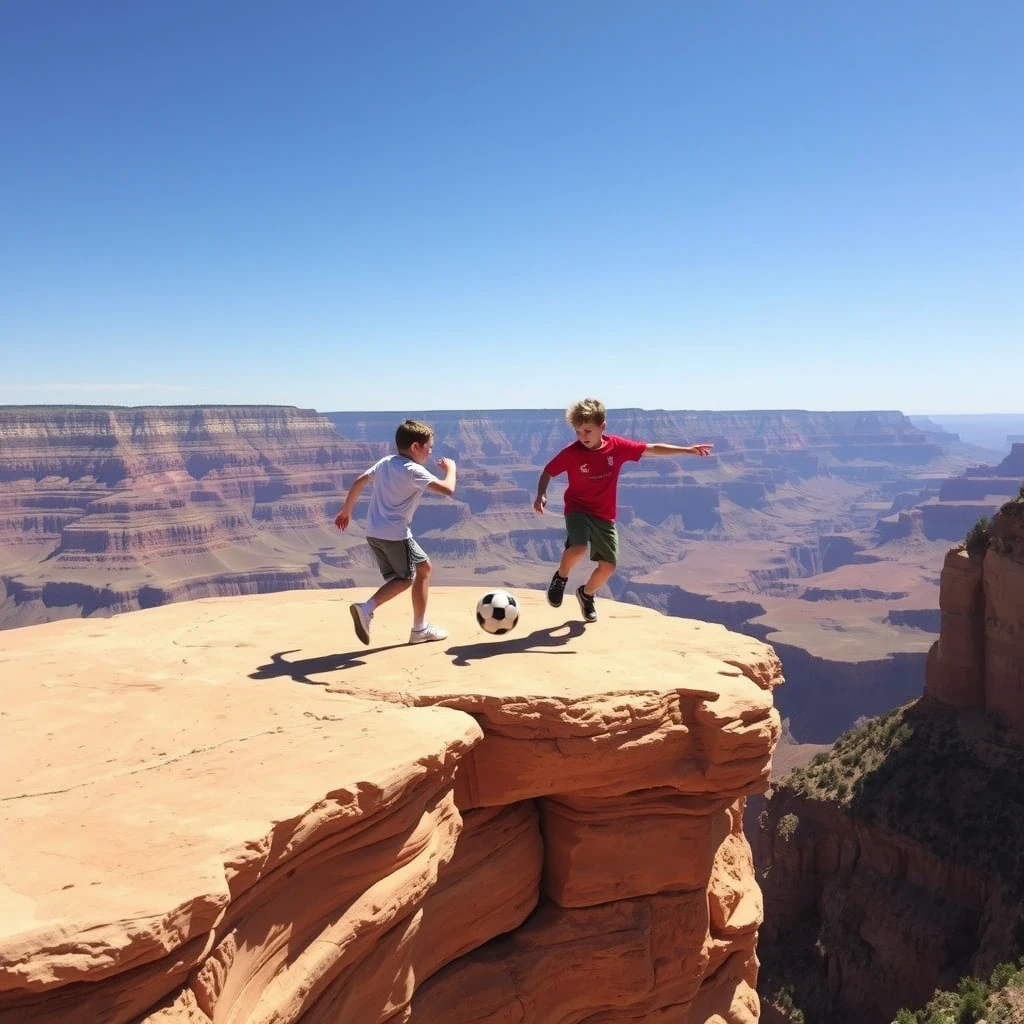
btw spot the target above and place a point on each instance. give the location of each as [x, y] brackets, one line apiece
[231, 811]
[909, 878]
[113, 509]
[978, 660]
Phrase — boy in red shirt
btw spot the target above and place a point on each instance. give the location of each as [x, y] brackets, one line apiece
[593, 462]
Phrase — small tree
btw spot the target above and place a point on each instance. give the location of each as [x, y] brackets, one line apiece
[978, 536]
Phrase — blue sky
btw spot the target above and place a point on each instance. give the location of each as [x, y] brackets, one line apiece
[489, 204]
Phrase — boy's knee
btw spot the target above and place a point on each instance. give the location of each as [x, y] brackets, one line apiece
[422, 569]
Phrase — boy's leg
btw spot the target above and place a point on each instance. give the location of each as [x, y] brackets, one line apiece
[556, 588]
[420, 594]
[570, 556]
[602, 573]
[393, 562]
[577, 536]
[422, 631]
[389, 590]
[604, 549]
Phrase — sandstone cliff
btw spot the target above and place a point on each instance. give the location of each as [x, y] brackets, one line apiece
[231, 811]
[893, 866]
[978, 660]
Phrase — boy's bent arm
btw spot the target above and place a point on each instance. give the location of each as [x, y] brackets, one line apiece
[447, 485]
[344, 517]
[675, 449]
[542, 488]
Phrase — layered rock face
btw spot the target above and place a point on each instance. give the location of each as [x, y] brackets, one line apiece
[887, 879]
[962, 500]
[978, 660]
[114, 509]
[870, 918]
[109, 510]
[231, 812]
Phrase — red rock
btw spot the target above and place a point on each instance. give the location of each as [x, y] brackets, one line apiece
[199, 825]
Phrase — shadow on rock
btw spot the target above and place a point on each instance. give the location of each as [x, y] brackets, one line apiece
[301, 669]
[533, 643]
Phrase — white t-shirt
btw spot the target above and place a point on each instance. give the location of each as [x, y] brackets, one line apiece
[398, 485]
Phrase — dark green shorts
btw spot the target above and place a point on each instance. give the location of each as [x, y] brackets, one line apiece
[602, 536]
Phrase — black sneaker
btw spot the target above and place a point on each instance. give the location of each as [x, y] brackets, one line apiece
[588, 606]
[556, 588]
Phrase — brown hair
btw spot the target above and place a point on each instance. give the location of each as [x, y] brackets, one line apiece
[587, 410]
[411, 431]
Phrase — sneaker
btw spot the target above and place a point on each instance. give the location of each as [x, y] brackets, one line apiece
[426, 634]
[556, 588]
[587, 605]
[361, 620]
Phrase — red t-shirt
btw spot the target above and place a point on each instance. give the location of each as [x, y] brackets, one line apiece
[594, 473]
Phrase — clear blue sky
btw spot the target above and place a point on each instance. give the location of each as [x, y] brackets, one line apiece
[708, 204]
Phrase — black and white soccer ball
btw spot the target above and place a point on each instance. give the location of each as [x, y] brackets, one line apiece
[497, 612]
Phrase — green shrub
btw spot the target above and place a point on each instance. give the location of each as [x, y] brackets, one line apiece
[786, 826]
[978, 537]
[1001, 975]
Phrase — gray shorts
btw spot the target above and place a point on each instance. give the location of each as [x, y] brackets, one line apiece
[397, 559]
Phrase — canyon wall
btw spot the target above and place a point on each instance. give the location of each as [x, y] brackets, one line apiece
[978, 660]
[113, 509]
[109, 510]
[221, 813]
[891, 866]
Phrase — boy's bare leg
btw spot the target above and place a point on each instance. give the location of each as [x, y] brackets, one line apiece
[362, 614]
[389, 590]
[570, 556]
[603, 572]
[420, 594]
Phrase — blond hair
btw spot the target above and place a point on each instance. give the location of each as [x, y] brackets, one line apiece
[411, 431]
[587, 410]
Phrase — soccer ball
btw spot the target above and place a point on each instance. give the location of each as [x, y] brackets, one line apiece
[497, 612]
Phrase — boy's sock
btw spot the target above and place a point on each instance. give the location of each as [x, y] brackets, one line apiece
[370, 605]
[418, 624]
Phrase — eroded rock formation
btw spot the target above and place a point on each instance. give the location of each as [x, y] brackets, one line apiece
[109, 510]
[978, 660]
[114, 509]
[892, 866]
[231, 811]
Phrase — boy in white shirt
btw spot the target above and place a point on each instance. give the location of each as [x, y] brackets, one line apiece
[398, 484]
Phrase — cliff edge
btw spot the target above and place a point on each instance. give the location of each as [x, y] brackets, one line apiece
[228, 810]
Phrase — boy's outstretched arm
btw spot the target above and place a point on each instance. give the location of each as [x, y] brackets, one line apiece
[344, 517]
[674, 449]
[447, 485]
[542, 496]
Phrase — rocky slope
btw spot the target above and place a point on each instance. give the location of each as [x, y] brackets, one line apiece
[231, 811]
[892, 866]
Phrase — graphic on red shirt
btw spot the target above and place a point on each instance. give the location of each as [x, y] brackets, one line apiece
[594, 474]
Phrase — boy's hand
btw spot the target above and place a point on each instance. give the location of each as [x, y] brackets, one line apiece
[701, 449]
[342, 519]
[538, 505]
[444, 462]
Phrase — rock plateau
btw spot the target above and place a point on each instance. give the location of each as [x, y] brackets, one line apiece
[230, 811]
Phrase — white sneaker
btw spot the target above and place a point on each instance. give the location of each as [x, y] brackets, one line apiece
[361, 619]
[427, 633]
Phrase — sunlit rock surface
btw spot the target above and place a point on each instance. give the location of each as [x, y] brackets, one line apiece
[230, 810]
